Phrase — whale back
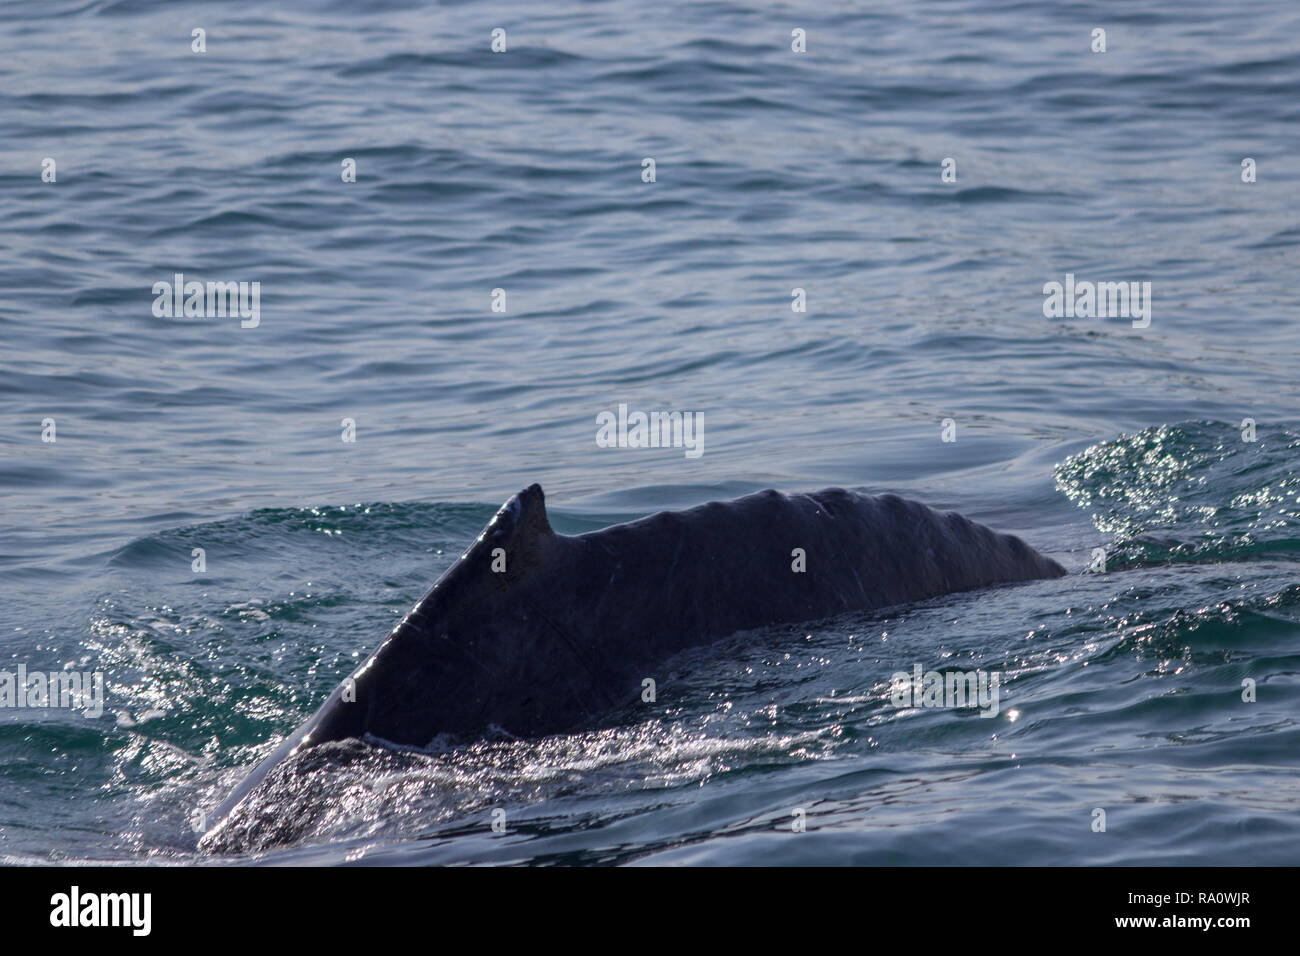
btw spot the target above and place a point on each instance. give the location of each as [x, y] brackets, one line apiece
[677, 579]
[534, 633]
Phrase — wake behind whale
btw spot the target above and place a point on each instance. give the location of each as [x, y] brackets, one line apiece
[537, 633]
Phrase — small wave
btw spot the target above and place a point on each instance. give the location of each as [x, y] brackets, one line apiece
[1193, 492]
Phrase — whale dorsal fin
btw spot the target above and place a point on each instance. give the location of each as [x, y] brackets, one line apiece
[521, 524]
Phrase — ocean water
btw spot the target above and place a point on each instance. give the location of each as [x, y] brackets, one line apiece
[774, 170]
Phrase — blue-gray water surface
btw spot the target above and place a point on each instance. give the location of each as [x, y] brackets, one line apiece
[1163, 690]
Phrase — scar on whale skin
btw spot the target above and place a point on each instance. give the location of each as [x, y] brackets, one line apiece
[540, 633]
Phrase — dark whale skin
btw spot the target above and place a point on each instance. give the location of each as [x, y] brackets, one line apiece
[569, 629]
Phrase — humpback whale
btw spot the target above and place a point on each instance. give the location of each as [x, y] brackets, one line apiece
[536, 633]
